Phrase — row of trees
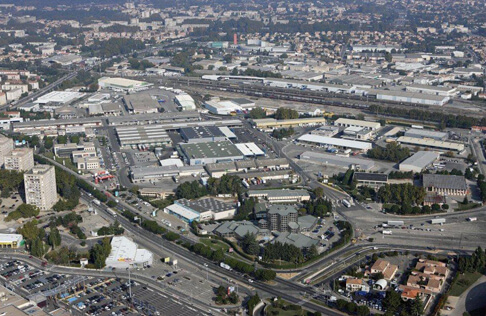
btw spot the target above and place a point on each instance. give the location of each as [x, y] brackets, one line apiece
[482, 187]
[257, 113]
[23, 211]
[407, 209]
[286, 114]
[474, 263]
[392, 152]
[112, 229]
[352, 308]
[403, 193]
[34, 238]
[317, 207]
[445, 120]
[227, 184]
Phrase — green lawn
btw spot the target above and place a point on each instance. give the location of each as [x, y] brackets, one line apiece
[215, 244]
[463, 282]
[284, 311]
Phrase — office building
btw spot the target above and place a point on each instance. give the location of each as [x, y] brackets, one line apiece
[280, 196]
[6, 146]
[419, 161]
[20, 159]
[40, 187]
[282, 218]
[374, 180]
[88, 163]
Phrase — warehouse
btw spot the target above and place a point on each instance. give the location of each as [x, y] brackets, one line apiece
[123, 84]
[210, 152]
[152, 174]
[209, 208]
[202, 134]
[55, 125]
[270, 123]
[338, 161]
[327, 131]
[423, 133]
[280, 196]
[140, 103]
[244, 103]
[185, 102]
[125, 254]
[149, 135]
[223, 107]
[354, 132]
[374, 180]
[249, 149]
[445, 184]
[155, 118]
[419, 161]
[409, 97]
[59, 97]
[11, 241]
[217, 170]
[344, 122]
[334, 142]
[434, 90]
[431, 143]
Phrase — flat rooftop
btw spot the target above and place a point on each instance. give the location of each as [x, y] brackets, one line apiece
[210, 150]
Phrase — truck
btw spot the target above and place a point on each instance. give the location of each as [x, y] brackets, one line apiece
[346, 203]
[440, 221]
[97, 202]
[225, 266]
[387, 232]
[395, 223]
[112, 212]
[472, 219]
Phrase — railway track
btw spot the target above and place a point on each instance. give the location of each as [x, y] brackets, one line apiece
[307, 96]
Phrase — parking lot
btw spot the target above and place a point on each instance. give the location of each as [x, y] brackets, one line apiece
[100, 296]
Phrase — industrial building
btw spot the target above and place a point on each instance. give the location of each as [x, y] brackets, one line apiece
[431, 143]
[338, 161]
[125, 254]
[327, 131]
[20, 159]
[280, 196]
[270, 123]
[13, 241]
[217, 170]
[6, 146]
[344, 122]
[152, 174]
[66, 150]
[59, 97]
[148, 135]
[423, 133]
[104, 109]
[202, 134]
[154, 118]
[123, 84]
[250, 149]
[210, 152]
[445, 184]
[374, 180]
[334, 142]
[354, 132]
[185, 102]
[419, 161]
[434, 90]
[140, 103]
[55, 125]
[40, 187]
[409, 97]
[201, 210]
[222, 107]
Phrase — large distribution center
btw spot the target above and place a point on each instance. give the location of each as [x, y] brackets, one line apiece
[59, 97]
[210, 152]
[273, 123]
[202, 134]
[344, 122]
[419, 161]
[339, 161]
[140, 104]
[335, 142]
[409, 97]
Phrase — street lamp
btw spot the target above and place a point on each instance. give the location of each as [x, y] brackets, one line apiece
[129, 285]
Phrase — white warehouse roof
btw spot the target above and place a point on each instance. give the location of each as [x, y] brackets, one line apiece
[249, 149]
[323, 140]
[59, 97]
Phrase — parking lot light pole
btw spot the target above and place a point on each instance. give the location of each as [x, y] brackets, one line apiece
[130, 285]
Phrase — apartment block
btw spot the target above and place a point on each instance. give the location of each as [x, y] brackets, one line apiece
[6, 146]
[20, 159]
[40, 186]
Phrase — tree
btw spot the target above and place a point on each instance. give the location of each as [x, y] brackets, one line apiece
[392, 301]
[286, 114]
[265, 275]
[252, 302]
[23, 211]
[250, 245]
[37, 248]
[54, 237]
[417, 307]
[313, 252]
[319, 192]
[100, 252]
[363, 310]
[257, 113]
[217, 255]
